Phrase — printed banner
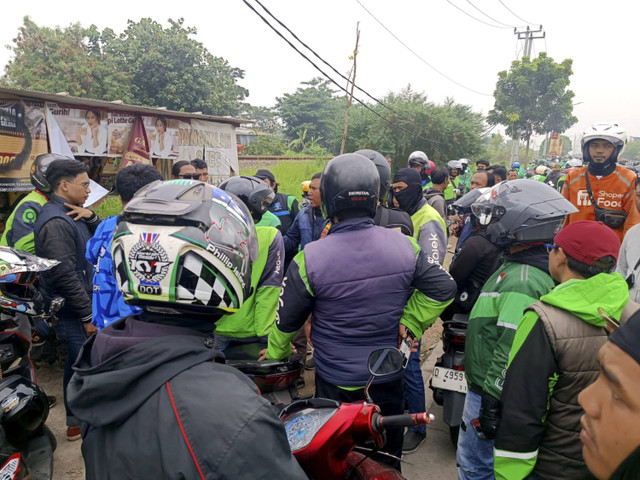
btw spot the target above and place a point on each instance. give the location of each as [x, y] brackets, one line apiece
[138, 149]
[163, 140]
[23, 136]
[86, 131]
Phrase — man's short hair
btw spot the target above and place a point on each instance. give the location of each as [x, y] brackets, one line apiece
[175, 170]
[491, 179]
[513, 170]
[498, 170]
[64, 170]
[439, 176]
[602, 265]
[198, 163]
[483, 162]
[132, 178]
[316, 175]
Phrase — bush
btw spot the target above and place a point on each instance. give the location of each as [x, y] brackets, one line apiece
[266, 145]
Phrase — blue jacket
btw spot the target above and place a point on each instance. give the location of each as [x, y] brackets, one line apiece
[108, 302]
[306, 228]
[356, 282]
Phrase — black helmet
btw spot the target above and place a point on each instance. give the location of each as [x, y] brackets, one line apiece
[521, 212]
[39, 170]
[255, 194]
[185, 246]
[25, 408]
[463, 205]
[350, 182]
[384, 170]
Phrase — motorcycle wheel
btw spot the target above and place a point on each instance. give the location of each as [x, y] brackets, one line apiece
[453, 435]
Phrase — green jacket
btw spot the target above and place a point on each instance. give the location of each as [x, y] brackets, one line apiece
[495, 317]
[430, 231]
[449, 194]
[18, 232]
[552, 360]
[258, 313]
[269, 220]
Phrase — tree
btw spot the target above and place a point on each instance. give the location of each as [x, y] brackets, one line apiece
[266, 145]
[444, 132]
[264, 119]
[533, 97]
[632, 151]
[73, 59]
[147, 64]
[315, 109]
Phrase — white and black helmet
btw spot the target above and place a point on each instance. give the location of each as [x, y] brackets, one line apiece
[418, 158]
[185, 246]
[521, 212]
[610, 132]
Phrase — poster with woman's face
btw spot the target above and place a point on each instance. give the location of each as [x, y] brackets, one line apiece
[161, 132]
[86, 131]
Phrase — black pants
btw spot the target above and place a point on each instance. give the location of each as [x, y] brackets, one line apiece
[389, 396]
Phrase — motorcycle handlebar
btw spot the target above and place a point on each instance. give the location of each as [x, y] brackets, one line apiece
[381, 423]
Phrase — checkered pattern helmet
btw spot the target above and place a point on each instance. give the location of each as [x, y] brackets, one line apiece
[185, 246]
[18, 272]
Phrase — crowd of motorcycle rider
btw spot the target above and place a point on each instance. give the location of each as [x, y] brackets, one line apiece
[544, 265]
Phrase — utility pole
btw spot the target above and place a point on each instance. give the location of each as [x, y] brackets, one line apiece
[528, 36]
[350, 97]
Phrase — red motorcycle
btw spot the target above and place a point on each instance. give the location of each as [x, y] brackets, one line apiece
[333, 440]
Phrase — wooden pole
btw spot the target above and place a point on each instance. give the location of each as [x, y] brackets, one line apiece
[350, 97]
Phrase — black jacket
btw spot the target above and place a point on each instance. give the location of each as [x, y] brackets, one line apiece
[155, 403]
[59, 237]
[394, 219]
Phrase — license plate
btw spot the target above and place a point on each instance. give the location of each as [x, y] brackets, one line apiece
[449, 379]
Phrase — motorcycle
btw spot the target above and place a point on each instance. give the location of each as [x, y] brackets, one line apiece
[333, 440]
[275, 379]
[448, 381]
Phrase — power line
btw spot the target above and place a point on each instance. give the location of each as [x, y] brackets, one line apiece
[476, 19]
[489, 17]
[333, 81]
[347, 79]
[418, 56]
[513, 13]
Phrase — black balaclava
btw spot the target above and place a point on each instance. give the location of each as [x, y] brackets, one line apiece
[600, 169]
[410, 197]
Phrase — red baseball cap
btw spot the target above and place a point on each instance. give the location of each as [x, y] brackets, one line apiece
[588, 241]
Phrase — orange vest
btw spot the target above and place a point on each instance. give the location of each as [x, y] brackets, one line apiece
[615, 191]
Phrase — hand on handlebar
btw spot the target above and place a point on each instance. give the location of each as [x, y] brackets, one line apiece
[263, 355]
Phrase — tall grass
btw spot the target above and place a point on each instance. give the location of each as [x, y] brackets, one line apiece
[289, 174]
[110, 205]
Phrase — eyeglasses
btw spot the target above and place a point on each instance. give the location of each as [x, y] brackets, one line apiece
[84, 185]
[550, 248]
[194, 176]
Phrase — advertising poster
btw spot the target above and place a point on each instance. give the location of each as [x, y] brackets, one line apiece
[86, 131]
[161, 132]
[120, 125]
[23, 136]
[215, 143]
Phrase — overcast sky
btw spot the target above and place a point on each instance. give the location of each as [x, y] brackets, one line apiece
[601, 41]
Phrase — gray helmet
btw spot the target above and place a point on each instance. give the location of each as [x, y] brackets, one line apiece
[418, 158]
[463, 204]
[521, 212]
[39, 170]
[384, 170]
[255, 194]
[350, 182]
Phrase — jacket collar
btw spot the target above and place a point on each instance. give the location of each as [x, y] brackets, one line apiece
[352, 224]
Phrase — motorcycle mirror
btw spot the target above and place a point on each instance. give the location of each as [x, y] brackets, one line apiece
[385, 361]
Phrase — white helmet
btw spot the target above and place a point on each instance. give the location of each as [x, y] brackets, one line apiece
[610, 132]
[541, 169]
[574, 162]
[454, 164]
[464, 161]
[420, 158]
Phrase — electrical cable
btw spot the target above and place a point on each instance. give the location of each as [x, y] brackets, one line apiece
[336, 83]
[476, 19]
[418, 56]
[491, 18]
[348, 80]
[513, 13]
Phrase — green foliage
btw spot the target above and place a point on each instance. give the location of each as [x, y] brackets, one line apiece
[316, 110]
[444, 132]
[533, 97]
[266, 145]
[110, 205]
[264, 119]
[632, 151]
[567, 145]
[73, 59]
[147, 64]
[289, 174]
[498, 151]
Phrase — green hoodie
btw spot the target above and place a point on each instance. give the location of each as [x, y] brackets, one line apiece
[534, 380]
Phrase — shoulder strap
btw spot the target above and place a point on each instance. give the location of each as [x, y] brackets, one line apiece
[384, 217]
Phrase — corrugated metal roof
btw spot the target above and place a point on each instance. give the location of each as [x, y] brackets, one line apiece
[117, 105]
